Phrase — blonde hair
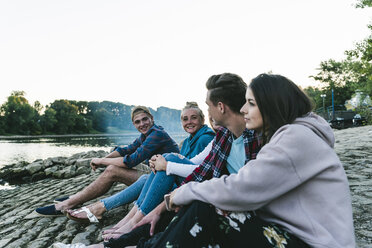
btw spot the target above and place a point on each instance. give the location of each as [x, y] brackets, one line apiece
[193, 105]
[140, 109]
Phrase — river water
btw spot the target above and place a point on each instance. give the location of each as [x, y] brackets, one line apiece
[16, 149]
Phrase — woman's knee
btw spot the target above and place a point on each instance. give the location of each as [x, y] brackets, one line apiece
[173, 156]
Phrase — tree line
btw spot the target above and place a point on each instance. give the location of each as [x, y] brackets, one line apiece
[18, 116]
[347, 76]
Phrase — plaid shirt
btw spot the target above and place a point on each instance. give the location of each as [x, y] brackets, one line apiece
[214, 165]
[155, 141]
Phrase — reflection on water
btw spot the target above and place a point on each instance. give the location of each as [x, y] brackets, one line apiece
[16, 149]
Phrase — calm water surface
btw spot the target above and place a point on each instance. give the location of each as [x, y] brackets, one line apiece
[16, 149]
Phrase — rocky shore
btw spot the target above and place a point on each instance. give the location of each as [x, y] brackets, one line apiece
[39, 182]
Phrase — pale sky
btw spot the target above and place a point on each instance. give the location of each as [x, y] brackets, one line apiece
[161, 52]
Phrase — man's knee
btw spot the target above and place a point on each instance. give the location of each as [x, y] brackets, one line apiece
[118, 174]
[114, 172]
[111, 170]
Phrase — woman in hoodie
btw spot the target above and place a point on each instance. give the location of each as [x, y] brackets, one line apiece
[294, 194]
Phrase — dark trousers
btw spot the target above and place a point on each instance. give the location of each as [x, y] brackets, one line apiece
[198, 225]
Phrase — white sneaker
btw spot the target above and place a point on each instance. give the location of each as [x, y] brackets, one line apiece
[61, 245]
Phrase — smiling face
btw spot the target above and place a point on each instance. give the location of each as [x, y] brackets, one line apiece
[143, 122]
[252, 115]
[191, 121]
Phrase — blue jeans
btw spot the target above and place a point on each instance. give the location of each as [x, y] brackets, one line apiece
[159, 184]
[129, 194]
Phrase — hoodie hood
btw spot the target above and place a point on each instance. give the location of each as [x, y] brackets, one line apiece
[319, 126]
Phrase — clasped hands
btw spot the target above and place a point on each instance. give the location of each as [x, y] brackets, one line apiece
[158, 163]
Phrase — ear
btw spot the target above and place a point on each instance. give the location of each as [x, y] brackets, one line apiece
[221, 107]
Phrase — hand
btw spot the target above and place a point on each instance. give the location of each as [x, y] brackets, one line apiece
[173, 206]
[153, 158]
[160, 163]
[152, 166]
[95, 163]
[152, 218]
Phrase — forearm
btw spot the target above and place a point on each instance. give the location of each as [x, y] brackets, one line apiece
[182, 170]
[113, 154]
[160, 208]
[118, 161]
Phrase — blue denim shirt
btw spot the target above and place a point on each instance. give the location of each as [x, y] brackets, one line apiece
[155, 141]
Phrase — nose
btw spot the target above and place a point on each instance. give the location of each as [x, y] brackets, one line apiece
[242, 110]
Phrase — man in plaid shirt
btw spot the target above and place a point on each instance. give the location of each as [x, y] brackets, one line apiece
[225, 97]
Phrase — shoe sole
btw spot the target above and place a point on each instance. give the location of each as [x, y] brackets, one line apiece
[48, 215]
[81, 220]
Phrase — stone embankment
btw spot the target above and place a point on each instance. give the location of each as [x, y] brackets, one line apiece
[38, 183]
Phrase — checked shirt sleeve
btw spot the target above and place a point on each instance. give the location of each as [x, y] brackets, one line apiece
[130, 148]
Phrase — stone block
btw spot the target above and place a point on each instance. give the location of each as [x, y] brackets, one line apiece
[38, 176]
[58, 174]
[48, 162]
[49, 171]
[83, 162]
[70, 161]
[83, 170]
[58, 160]
[35, 167]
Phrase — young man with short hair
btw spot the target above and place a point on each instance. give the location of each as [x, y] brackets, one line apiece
[121, 162]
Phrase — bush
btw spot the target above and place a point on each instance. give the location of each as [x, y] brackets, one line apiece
[365, 112]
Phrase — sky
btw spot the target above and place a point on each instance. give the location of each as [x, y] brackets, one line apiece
[161, 53]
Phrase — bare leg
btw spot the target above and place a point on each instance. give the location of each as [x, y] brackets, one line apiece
[100, 186]
[121, 223]
[127, 227]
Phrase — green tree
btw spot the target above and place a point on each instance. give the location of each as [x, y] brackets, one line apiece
[315, 94]
[19, 115]
[82, 125]
[2, 125]
[66, 116]
[48, 120]
[364, 3]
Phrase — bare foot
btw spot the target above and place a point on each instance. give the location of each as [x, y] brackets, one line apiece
[121, 223]
[113, 235]
[97, 209]
[109, 230]
[125, 228]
